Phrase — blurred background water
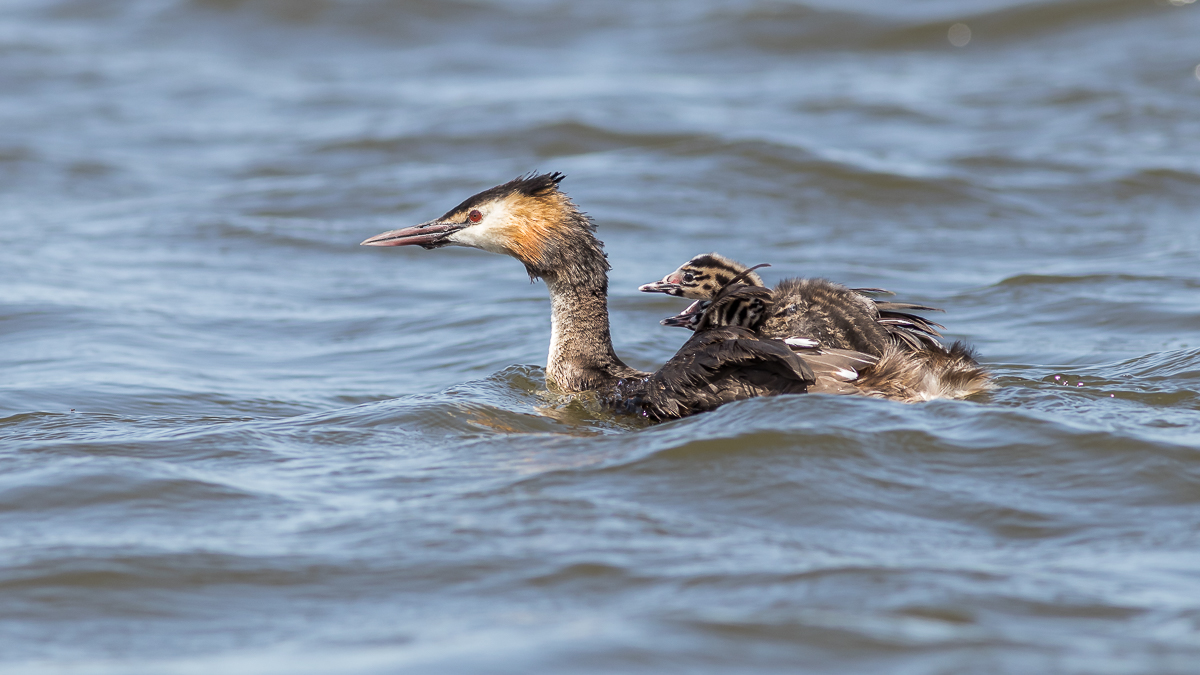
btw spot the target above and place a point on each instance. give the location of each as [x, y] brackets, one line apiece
[233, 440]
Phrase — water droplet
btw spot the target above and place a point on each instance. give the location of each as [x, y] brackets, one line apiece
[959, 35]
[1197, 71]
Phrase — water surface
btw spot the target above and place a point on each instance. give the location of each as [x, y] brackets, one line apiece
[233, 440]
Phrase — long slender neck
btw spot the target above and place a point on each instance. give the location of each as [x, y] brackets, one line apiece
[556, 242]
[581, 352]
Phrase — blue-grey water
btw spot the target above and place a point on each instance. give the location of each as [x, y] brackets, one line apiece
[234, 441]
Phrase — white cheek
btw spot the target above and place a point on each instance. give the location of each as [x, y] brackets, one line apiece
[488, 234]
[480, 236]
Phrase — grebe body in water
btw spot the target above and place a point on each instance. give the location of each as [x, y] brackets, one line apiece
[532, 220]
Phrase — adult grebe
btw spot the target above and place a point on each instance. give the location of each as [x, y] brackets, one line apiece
[530, 219]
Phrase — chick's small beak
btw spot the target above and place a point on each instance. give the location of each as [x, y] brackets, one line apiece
[688, 317]
[678, 321]
[668, 285]
[426, 235]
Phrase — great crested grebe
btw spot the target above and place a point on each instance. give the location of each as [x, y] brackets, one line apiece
[913, 365]
[530, 219]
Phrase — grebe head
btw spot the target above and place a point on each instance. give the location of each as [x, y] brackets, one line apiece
[528, 218]
[702, 277]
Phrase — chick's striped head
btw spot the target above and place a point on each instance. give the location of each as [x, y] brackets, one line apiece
[702, 277]
[737, 305]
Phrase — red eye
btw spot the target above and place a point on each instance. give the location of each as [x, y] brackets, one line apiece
[475, 216]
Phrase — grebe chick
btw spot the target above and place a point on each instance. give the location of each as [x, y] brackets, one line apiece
[725, 360]
[912, 364]
[840, 317]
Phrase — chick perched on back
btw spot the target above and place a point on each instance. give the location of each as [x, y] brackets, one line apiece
[838, 316]
[912, 364]
[726, 360]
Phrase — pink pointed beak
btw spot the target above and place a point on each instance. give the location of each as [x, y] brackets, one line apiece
[426, 235]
